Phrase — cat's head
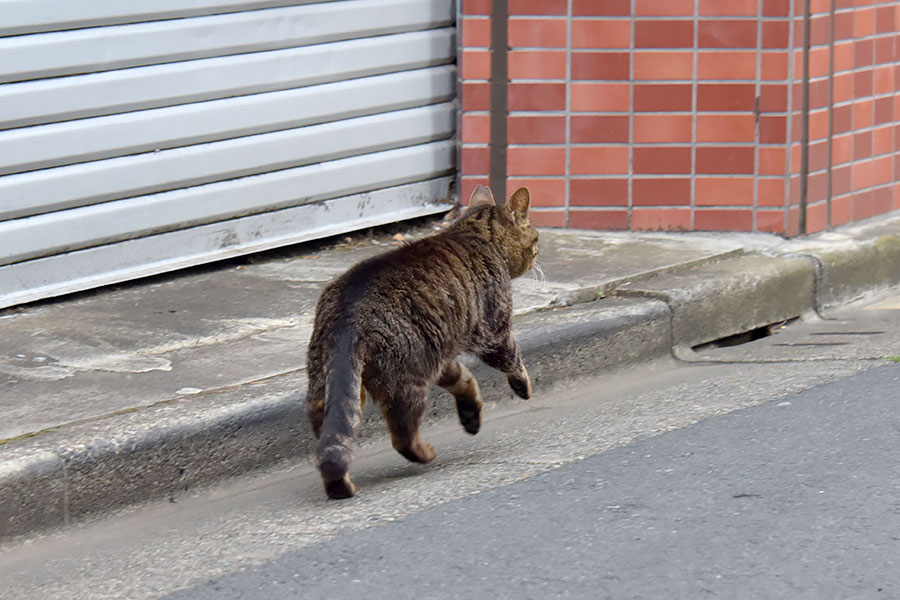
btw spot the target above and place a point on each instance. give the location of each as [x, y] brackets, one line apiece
[512, 229]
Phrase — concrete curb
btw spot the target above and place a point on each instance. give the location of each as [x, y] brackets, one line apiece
[66, 475]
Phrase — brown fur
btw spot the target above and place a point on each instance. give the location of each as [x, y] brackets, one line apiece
[394, 324]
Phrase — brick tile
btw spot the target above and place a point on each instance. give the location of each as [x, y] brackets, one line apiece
[663, 65]
[711, 219]
[477, 96]
[661, 219]
[863, 113]
[537, 96]
[863, 22]
[669, 191]
[615, 220]
[476, 33]
[726, 34]
[863, 53]
[770, 192]
[883, 140]
[885, 19]
[536, 161]
[537, 33]
[774, 66]
[772, 130]
[818, 94]
[776, 8]
[604, 33]
[663, 128]
[819, 62]
[468, 184]
[604, 8]
[736, 8]
[841, 149]
[663, 97]
[724, 191]
[884, 111]
[476, 129]
[883, 170]
[726, 65]
[773, 98]
[475, 160]
[843, 56]
[884, 50]
[818, 155]
[537, 64]
[841, 180]
[883, 200]
[476, 64]
[793, 221]
[601, 97]
[775, 34]
[600, 65]
[726, 128]
[817, 188]
[726, 97]
[820, 30]
[476, 7]
[817, 7]
[536, 129]
[663, 34]
[664, 8]
[544, 192]
[658, 161]
[546, 218]
[599, 129]
[840, 211]
[843, 26]
[772, 161]
[538, 7]
[862, 145]
[598, 192]
[770, 221]
[598, 160]
[884, 80]
[861, 205]
[843, 87]
[725, 160]
[843, 118]
[861, 175]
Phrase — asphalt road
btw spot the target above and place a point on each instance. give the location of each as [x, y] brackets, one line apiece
[795, 499]
[768, 470]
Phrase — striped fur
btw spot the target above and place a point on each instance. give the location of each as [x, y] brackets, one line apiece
[394, 324]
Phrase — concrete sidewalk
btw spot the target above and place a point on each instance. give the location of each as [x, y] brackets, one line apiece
[145, 390]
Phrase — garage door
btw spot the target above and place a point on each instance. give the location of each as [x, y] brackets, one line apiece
[140, 137]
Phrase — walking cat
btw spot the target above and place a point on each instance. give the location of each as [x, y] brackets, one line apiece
[395, 323]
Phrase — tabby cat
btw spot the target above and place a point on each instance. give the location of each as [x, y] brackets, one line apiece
[395, 323]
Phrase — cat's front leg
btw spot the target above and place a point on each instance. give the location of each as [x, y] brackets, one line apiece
[506, 358]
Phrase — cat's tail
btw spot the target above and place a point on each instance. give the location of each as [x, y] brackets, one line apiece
[342, 415]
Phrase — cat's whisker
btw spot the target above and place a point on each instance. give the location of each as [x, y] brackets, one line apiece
[537, 274]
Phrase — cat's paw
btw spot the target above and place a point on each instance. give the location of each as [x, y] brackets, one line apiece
[520, 384]
[340, 489]
[470, 419]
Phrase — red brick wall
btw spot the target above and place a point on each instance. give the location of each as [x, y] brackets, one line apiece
[688, 114]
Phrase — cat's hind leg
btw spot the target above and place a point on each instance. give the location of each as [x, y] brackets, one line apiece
[458, 380]
[506, 358]
[403, 409]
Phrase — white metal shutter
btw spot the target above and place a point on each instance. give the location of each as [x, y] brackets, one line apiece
[138, 137]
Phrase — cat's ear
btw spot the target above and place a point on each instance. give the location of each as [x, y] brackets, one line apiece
[519, 203]
[481, 196]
